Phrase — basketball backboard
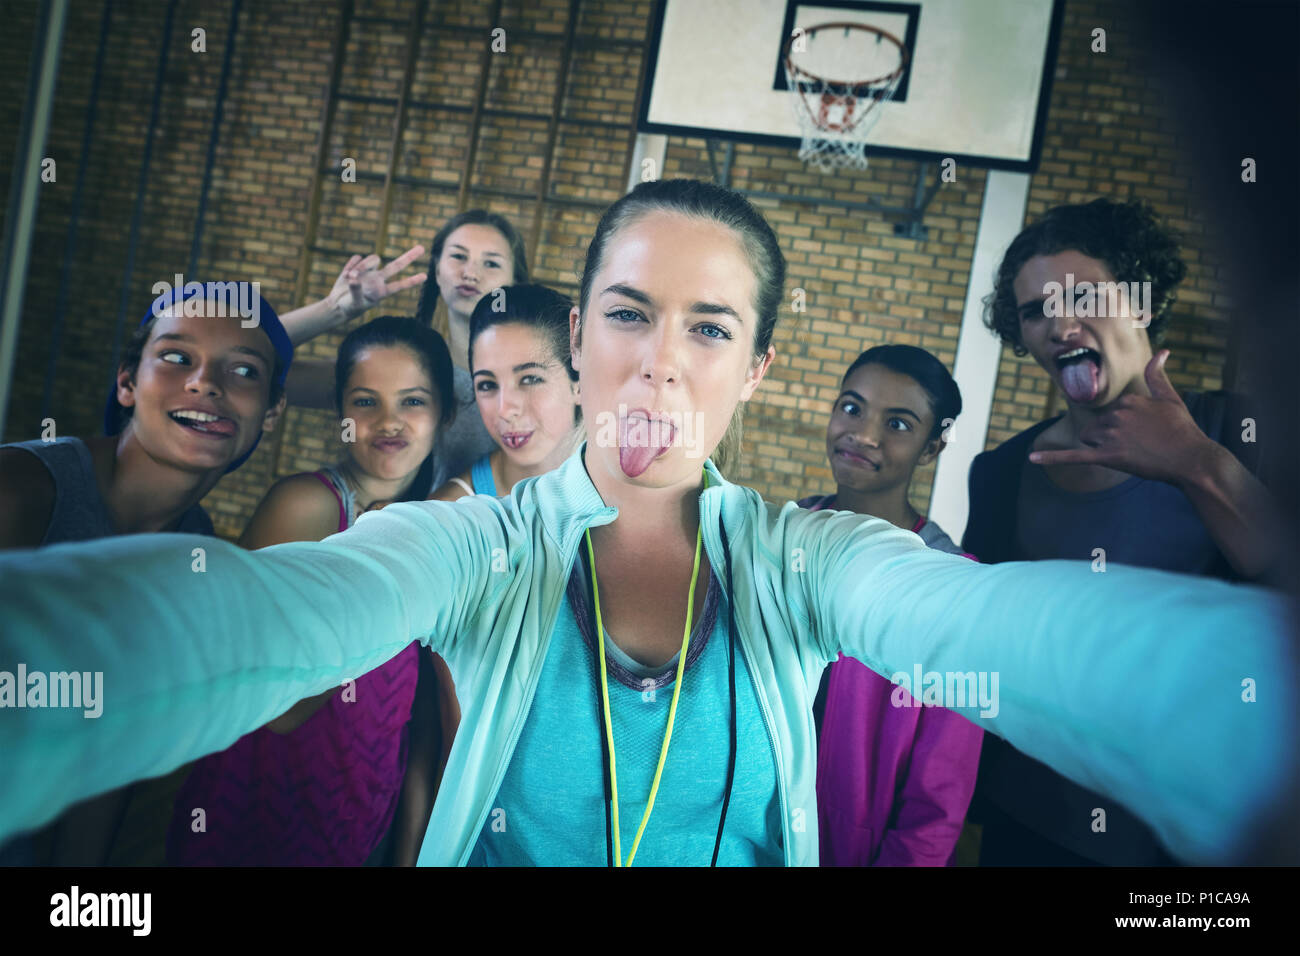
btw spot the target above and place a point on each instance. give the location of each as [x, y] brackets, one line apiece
[975, 86]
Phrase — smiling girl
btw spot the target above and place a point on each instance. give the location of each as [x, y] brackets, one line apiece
[193, 395]
[195, 390]
[894, 779]
[635, 640]
[320, 785]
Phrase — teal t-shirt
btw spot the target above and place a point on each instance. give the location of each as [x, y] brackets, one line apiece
[550, 809]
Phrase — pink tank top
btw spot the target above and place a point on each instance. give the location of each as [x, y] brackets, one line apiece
[322, 795]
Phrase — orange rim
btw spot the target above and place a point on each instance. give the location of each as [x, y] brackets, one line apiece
[799, 72]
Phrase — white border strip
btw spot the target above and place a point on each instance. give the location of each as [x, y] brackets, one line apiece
[652, 146]
[978, 350]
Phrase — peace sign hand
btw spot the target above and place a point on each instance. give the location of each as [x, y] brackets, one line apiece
[1152, 437]
[363, 284]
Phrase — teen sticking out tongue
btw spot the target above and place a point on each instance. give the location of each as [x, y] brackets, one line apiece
[1124, 417]
[527, 396]
[642, 438]
[525, 389]
[195, 390]
[1132, 473]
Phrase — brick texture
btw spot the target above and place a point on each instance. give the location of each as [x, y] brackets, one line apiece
[1108, 133]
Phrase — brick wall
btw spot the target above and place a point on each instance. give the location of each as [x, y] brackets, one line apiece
[1110, 134]
[1107, 135]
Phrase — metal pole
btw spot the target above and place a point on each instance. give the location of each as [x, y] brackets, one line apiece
[138, 214]
[329, 109]
[553, 129]
[70, 247]
[20, 217]
[476, 121]
[227, 57]
[399, 125]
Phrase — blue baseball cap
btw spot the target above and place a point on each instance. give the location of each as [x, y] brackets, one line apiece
[267, 321]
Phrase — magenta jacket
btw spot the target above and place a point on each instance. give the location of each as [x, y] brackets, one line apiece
[893, 783]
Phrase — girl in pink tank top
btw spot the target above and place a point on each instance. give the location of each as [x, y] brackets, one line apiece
[323, 784]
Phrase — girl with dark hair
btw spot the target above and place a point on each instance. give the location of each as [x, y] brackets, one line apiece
[525, 388]
[456, 249]
[195, 390]
[1131, 473]
[321, 783]
[894, 778]
[527, 397]
[635, 640]
[474, 253]
[895, 407]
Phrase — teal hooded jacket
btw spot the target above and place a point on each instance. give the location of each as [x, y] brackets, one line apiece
[1173, 695]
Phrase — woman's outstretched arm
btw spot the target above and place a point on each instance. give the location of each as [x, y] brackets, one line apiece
[171, 647]
[1172, 694]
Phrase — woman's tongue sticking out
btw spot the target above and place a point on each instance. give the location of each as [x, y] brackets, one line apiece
[641, 441]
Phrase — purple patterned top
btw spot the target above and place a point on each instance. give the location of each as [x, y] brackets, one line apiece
[322, 795]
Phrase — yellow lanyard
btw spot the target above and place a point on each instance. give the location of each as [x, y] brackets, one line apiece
[672, 710]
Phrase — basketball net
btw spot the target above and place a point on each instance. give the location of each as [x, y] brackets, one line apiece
[835, 116]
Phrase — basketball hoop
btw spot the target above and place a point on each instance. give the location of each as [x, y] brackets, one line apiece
[835, 115]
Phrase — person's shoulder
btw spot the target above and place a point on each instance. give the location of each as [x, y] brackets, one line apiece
[27, 498]
[305, 495]
[22, 472]
[1214, 410]
[20, 465]
[813, 502]
[296, 508]
[792, 520]
[304, 489]
[453, 490]
[937, 539]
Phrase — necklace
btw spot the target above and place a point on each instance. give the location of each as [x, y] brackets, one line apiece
[672, 710]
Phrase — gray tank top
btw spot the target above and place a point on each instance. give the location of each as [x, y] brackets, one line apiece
[465, 441]
[79, 510]
[343, 491]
